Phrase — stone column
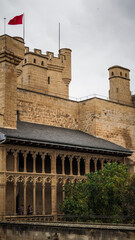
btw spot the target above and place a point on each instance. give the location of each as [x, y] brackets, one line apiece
[34, 197]
[87, 165]
[43, 162]
[3, 155]
[78, 165]
[102, 164]
[53, 162]
[24, 200]
[15, 188]
[71, 170]
[25, 157]
[63, 161]
[43, 198]
[63, 192]
[15, 154]
[34, 162]
[54, 197]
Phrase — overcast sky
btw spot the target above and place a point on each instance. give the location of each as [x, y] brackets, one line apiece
[100, 33]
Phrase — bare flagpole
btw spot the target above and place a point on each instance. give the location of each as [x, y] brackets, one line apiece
[4, 25]
[59, 35]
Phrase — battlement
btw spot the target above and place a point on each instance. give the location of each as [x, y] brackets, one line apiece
[45, 72]
[59, 60]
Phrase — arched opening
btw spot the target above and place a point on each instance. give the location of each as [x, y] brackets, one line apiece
[10, 198]
[20, 198]
[38, 163]
[29, 163]
[67, 166]
[58, 165]
[39, 199]
[59, 197]
[48, 202]
[98, 165]
[47, 164]
[74, 166]
[20, 162]
[29, 195]
[82, 166]
[10, 161]
[92, 166]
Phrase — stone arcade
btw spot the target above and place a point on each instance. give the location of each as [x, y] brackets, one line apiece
[49, 139]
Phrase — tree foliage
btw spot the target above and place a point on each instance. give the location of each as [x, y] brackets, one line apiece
[106, 193]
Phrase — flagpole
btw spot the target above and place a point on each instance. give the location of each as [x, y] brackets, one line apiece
[4, 25]
[23, 27]
[59, 35]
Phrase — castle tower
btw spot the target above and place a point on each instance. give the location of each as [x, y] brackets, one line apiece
[65, 53]
[46, 73]
[119, 85]
[11, 53]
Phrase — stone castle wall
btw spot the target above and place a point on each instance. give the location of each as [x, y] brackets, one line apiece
[108, 120]
[36, 85]
[44, 109]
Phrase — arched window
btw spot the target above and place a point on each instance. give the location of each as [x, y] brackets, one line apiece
[98, 165]
[92, 166]
[82, 166]
[21, 162]
[67, 166]
[47, 164]
[74, 166]
[58, 165]
[38, 164]
[34, 60]
[29, 163]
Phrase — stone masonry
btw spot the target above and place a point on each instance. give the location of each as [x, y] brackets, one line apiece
[34, 88]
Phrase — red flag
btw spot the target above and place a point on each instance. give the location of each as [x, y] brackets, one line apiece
[16, 20]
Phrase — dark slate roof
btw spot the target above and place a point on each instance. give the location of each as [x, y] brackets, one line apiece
[57, 136]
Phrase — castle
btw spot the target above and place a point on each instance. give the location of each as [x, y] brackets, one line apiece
[49, 140]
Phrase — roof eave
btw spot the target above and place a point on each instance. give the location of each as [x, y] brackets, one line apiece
[67, 146]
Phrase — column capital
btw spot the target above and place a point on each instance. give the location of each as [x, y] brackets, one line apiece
[34, 154]
[70, 157]
[78, 157]
[15, 152]
[43, 155]
[25, 152]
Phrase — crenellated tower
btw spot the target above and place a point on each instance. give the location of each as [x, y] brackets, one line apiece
[46, 73]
